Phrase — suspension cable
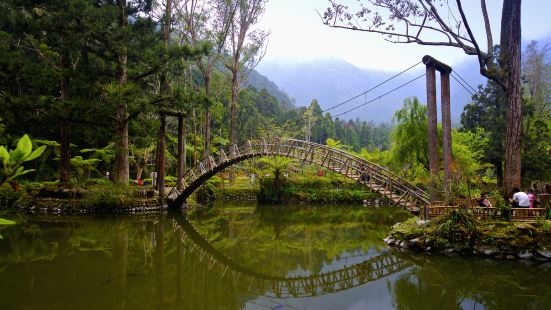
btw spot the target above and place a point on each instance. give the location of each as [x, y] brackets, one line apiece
[465, 87]
[464, 81]
[361, 94]
[380, 96]
[372, 88]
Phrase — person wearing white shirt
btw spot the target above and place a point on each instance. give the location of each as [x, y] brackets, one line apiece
[520, 199]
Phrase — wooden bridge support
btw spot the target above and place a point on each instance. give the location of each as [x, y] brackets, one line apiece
[431, 66]
[181, 157]
[446, 125]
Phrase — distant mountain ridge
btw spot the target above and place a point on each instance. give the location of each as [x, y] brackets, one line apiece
[332, 81]
[259, 81]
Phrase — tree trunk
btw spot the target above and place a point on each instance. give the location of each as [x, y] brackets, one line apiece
[65, 151]
[122, 173]
[160, 158]
[181, 153]
[65, 124]
[122, 170]
[194, 137]
[510, 54]
[233, 119]
[499, 172]
[139, 172]
[206, 145]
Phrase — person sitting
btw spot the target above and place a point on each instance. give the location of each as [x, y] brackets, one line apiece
[520, 199]
[532, 198]
[483, 201]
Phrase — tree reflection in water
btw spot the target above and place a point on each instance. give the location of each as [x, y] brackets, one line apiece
[146, 262]
[442, 282]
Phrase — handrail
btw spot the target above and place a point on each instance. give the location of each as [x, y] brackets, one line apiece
[311, 152]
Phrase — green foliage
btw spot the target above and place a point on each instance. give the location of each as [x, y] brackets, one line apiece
[328, 189]
[410, 140]
[12, 160]
[109, 194]
[459, 225]
[5, 222]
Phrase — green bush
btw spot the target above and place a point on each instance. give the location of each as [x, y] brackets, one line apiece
[458, 225]
[8, 197]
[109, 195]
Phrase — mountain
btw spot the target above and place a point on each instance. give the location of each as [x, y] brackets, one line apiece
[259, 81]
[332, 81]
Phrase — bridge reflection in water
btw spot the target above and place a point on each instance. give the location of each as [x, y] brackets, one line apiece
[250, 281]
[160, 261]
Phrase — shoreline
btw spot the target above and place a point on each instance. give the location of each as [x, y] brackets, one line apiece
[498, 240]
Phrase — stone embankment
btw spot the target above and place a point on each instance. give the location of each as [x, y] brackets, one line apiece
[500, 240]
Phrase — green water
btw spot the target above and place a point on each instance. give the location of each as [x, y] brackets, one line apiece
[237, 256]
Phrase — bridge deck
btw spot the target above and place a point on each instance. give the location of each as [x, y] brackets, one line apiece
[374, 177]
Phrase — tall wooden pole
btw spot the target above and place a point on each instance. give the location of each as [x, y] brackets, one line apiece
[446, 126]
[181, 152]
[161, 160]
[432, 127]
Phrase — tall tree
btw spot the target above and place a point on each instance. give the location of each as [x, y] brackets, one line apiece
[53, 33]
[122, 169]
[487, 111]
[245, 48]
[424, 21]
[206, 21]
[410, 140]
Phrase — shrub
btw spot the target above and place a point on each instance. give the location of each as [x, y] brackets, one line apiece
[109, 195]
[457, 226]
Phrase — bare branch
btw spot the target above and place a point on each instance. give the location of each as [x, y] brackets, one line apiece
[481, 57]
[489, 39]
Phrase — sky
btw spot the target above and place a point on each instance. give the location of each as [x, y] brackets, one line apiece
[297, 33]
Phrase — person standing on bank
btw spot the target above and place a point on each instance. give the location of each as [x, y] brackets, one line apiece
[520, 199]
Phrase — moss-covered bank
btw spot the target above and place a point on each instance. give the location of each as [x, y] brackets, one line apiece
[100, 197]
[288, 190]
[460, 232]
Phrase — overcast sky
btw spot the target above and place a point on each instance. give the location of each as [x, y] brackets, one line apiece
[298, 33]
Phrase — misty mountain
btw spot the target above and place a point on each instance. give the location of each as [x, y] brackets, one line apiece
[332, 81]
[259, 81]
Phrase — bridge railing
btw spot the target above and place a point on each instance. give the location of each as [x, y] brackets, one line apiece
[334, 159]
[397, 180]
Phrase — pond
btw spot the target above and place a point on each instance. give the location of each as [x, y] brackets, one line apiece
[243, 256]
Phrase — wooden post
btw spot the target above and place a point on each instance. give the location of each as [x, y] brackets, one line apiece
[432, 127]
[446, 126]
[445, 70]
[161, 157]
[181, 152]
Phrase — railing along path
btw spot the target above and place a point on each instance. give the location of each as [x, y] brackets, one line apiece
[372, 176]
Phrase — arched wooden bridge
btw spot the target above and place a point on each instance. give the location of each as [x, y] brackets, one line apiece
[250, 281]
[372, 176]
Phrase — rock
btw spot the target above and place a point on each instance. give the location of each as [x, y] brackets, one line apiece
[405, 245]
[510, 256]
[525, 226]
[423, 222]
[486, 250]
[544, 253]
[415, 242]
[525, 255]
[428, 248]
[388, 240]
[448, 251]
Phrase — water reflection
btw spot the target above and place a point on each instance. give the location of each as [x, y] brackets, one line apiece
[239, 256]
